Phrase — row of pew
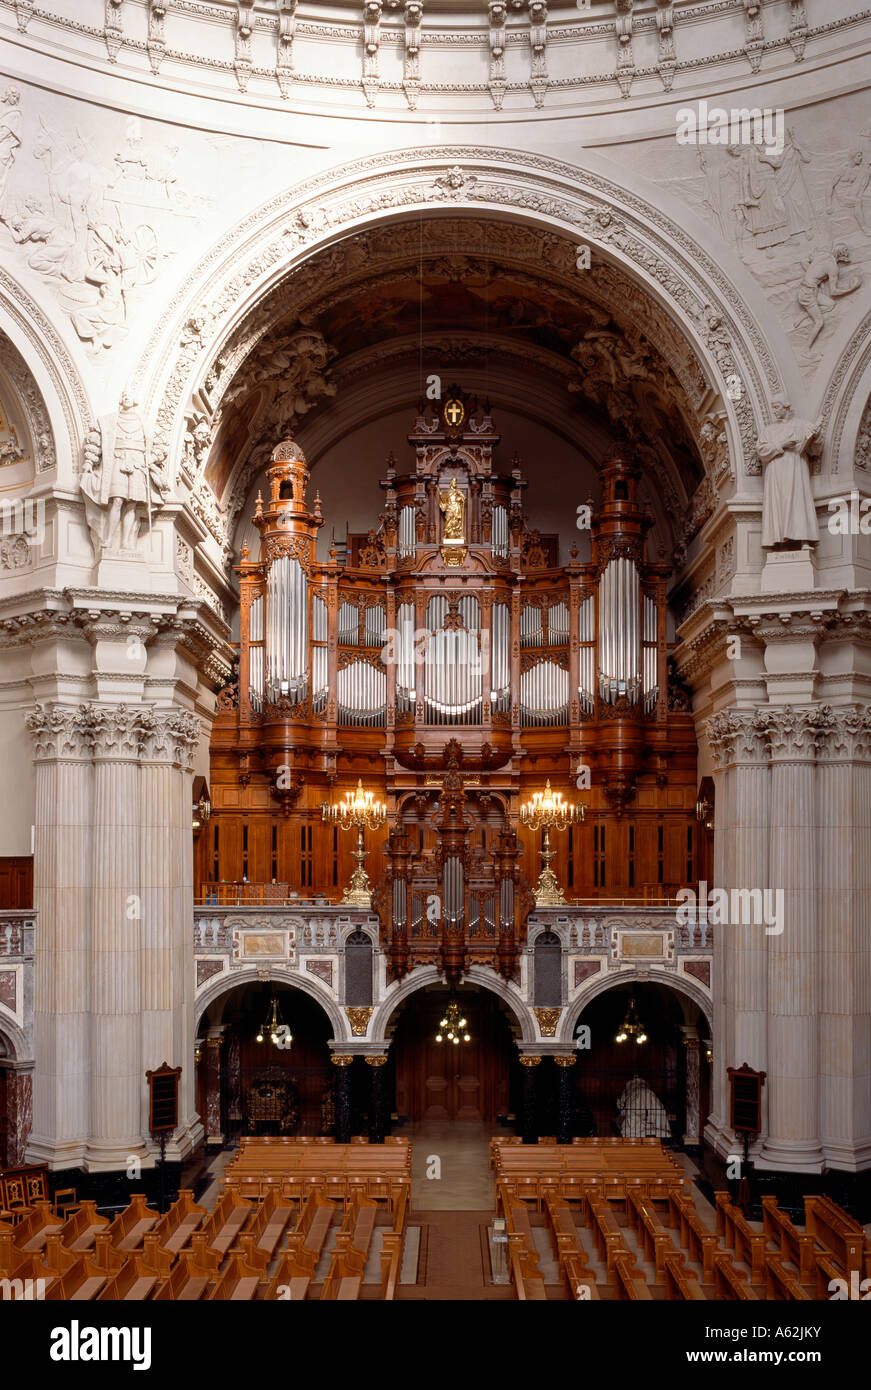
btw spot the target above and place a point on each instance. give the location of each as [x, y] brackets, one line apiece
[609, 1187]
[250, 1246]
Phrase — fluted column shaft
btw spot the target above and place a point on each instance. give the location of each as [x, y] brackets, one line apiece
[844, 869]
[793, 1110]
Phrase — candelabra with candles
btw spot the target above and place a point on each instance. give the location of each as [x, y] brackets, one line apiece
[359, 810]
[545, 812]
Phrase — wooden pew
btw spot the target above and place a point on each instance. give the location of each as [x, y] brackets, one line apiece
[268, 1223]
[175, 1227]
[34, 1229]
[837, 1232]
[826, 1269]
[780, 1283]
[81, 1229]
[737, 1235]
[656, 1243]
[82, 1281]
[679, 1282]
[129, 1227]
[609, 1238]
[139, 1274]
[225, 1222]
[629, 1282]
[348, 1261]
[523, 1257]
[699, 1243]
[571, 1257]
[794, 1245]
[238, 1281]
[729, 1285]
[188, 1281]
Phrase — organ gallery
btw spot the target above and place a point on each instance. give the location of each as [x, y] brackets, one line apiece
[452, 661]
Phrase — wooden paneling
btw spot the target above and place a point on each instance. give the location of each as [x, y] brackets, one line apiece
[437, 1081]
[16, 881]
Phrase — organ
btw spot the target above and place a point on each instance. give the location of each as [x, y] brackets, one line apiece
[450, 661]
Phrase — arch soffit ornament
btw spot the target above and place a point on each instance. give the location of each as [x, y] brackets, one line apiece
[662, 257]
[681, 985]
[846, 398]
[402, 990]
[47, 379]
[22, 1053]
[225, 984]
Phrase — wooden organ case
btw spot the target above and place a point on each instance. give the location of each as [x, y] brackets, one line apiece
[448, 660]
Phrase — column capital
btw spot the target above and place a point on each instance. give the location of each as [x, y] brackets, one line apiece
[341, 1059]
[377, 1060]
[122, 732]
[527, 1059]
[567, 1060]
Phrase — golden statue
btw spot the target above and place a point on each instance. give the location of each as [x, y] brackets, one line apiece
[453, 503]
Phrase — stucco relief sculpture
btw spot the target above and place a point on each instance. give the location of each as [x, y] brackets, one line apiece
[825, 280]
[10, 138]
[789, 517]
[122, 484]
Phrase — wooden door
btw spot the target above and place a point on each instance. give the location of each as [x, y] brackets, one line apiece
[438, 1081]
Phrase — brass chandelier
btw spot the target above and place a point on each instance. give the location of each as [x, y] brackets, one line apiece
[631, 1029]
[359, 811]
[545, 812]
[275, 1028]
[452, 1027]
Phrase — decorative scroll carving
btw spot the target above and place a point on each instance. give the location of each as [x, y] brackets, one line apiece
[359, 1020]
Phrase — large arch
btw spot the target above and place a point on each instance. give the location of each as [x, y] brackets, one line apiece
[401, 990]
[659, 248]
[601, 984]
[225, 984]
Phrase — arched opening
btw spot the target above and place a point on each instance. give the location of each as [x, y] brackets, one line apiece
[246, 1086]
[652, 1083]
[439, 1082]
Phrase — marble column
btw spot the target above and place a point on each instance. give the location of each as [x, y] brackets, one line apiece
[565, 1081]
[692, 1054]
[117, 1065]
[741, 861]
[166, 893]
[792, 1084]
[19, 1112]
[844, 841]
[62, 740]
[376, 1107]
[343, 1096]
[529, 1123]
[212, 1084]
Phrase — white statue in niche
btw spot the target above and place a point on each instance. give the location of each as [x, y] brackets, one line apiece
[640, 1113]
[121, 483]
[789, 518]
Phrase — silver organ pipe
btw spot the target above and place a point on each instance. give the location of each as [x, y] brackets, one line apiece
[374, 625]
[404, 656]
[406, 532]
[506, 901]
[319, 653]
[558, 625]
[531, 627]
[255, 654]
[619, 631]
[400, 896]
[587, 654]
[287, 628]
[544, 695]
[349, 625]
[500, 656]
[361, 694]
[436, 612]
[454, 669]
[453, 888]
[651, 687]
[499, 532]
